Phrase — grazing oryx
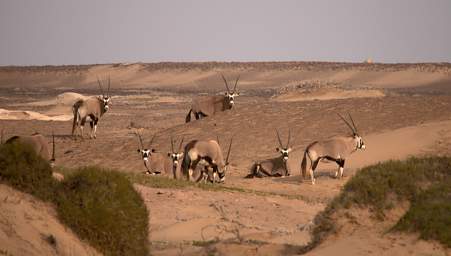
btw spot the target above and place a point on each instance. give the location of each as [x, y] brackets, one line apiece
[209, 105]
[94, 108]
[156, 162]
[38, 143]
[335, 149]
[209, 153]
[273, 167]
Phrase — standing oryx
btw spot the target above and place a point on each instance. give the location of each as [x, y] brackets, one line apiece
[209, 105]
[209, 153]
[335, 149]
[94, 108]
[273, 167]
[38, 143]
[156, 162]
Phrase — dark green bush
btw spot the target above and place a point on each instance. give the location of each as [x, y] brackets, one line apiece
[26, 171]
[425, 182]
[430, 214]
[103, 207]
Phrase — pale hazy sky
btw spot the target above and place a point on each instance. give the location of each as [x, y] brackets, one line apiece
[57, 32]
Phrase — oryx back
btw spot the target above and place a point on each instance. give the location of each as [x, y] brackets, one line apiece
[37, 142]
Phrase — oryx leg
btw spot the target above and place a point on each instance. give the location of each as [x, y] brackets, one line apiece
[191, 168]
[197, 115]
[82, 126]
[91, 123]
[341, 165]
[95, 127]
[313, 168]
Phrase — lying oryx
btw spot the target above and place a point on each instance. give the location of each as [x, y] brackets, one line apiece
[38, 143]
[209, 105]
[209, 153]
[335, 149]
[273, 167]
[156, 162]
[92, 108]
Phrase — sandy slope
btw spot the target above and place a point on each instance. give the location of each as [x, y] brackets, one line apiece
[26, 223]
[393, 127]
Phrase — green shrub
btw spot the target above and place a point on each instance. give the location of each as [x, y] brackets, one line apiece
[103, 207]
[26, 171]
[380, 186]
[430, 214]
[425, 182]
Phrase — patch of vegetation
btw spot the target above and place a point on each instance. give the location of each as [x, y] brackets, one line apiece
[430, 214]
[164, 182]
[102, 207]
[425, 182]
[23, 169]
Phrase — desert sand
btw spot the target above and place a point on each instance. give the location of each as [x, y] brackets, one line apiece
[400, 110]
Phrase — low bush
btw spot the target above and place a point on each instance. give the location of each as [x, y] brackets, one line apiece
[103, 207]
[424, 182]
[23, 169]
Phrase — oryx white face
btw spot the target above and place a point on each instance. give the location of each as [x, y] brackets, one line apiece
[360, 144]
[284, 152]
[231, 98]
[106, 101]
[176, 158]
[146, 153]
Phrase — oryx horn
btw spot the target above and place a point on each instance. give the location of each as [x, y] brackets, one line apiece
[353, 124]
[53, 146]
[100, 86]
[278, 138]
[228, 152]
[109, 82]
[346, 122]
[180, 145]
[236, 82]
[140, 140]
[226, 84]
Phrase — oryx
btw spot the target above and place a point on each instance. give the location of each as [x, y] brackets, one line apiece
[335, 149]
[157, 162]
[209, 105]
[92, 108]
[273, 167]
[39, 145]
[208, 153]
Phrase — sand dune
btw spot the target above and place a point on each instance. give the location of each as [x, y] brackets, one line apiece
[26, 223]
[30, 115]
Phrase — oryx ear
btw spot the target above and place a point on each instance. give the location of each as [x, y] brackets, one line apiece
[182, 153]
[139, 150]
[226, 93]
[289, 150]
[153, 150]
[169, 154]
[237, 94]
[277, 149]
